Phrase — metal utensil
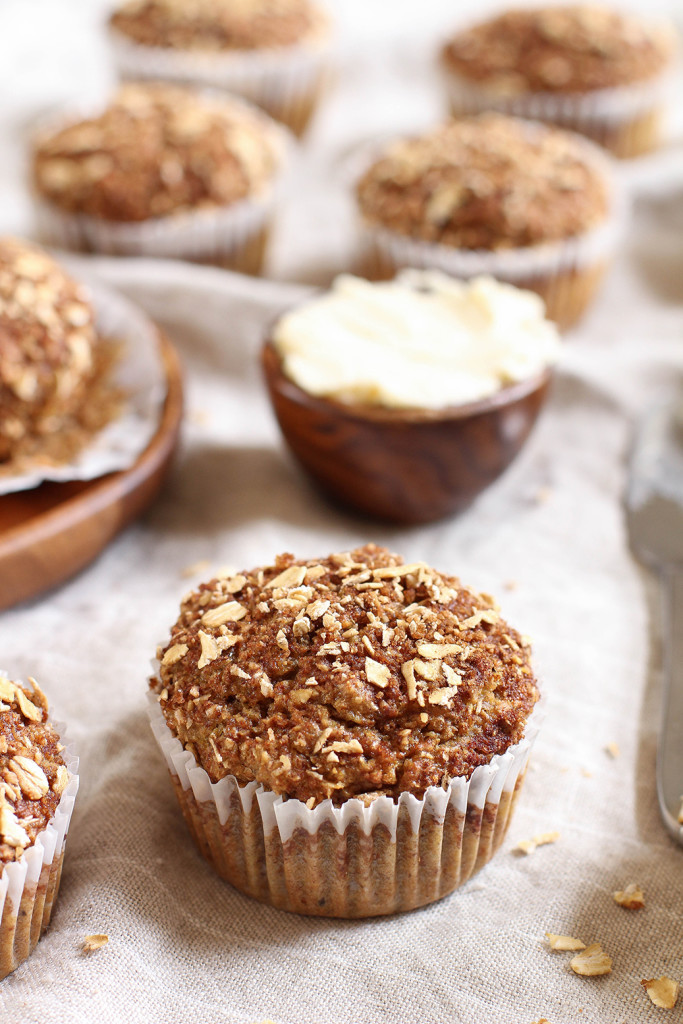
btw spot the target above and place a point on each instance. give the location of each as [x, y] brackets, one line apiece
[654, 507]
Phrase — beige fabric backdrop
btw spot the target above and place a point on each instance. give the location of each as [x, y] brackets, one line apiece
[184, 947]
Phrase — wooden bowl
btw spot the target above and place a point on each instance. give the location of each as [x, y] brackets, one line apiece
[407, 466]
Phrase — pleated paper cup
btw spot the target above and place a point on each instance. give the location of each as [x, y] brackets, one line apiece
[233, 237]
[286, 82]
[29, 887]
[566, 273]
[626, 120]
[353, 860]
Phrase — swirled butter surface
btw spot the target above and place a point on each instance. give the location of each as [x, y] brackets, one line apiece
[423, 340]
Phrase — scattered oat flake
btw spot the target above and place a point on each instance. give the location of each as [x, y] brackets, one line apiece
[529, 845]
[564, 942]
[662, 991]
[195, 568]
[613, 750]
[631, 897]
[377, 674]
[591, 962]
[93, 942]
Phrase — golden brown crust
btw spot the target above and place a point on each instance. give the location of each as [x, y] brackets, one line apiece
[156, 150]
[33, 775]
[486, 182]
[351, 676]
[572, 49]
[218, 25]
[48, 345]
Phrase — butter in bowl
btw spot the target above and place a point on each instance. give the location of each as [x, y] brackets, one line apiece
[405, 399]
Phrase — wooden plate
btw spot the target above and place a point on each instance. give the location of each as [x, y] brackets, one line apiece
[50, 533]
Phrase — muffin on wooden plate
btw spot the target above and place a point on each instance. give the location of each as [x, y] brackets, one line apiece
[162, 171]
[528, 204]
[594, 69]
[346, 736]
[272, 52]
[38, 786]
[405, 399]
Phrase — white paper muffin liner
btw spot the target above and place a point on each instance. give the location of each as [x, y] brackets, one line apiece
[28, 887]
[353, 860]
[286, 81]
[232, 236]
[565, 272]
[625, 119]
[139, 373]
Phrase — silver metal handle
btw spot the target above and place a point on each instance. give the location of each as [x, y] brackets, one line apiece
[670, 749]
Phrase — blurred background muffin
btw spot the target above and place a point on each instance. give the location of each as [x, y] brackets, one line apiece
[596, 70]
[522, 202]
[365, 724]
[49, 348]
[272, 52]
[38, 786]
[162, 171]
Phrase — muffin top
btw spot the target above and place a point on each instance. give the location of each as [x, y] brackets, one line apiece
[218, 25]
[422, 341]
[48, 344]
[572, 49]
[349, 676]
[486, 182]
[33, 775]
[157, 149]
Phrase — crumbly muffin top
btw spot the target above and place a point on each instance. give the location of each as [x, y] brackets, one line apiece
[157, 149]
[572, 49]
[349, 676]
[48, 344]
[217, 25]
[33, 775]
[485, 182]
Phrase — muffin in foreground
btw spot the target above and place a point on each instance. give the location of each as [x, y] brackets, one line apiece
[346, 736]
[162, 171]
[52, 361]
[37, 793]
[525, 203]
[594, 69]
[272, 52]
[405, 399]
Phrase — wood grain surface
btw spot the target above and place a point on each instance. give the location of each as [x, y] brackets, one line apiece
[406, 466]
[50, 533]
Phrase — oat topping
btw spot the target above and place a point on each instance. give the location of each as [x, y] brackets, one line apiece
[507, 183]
[157, 149]
[631, 897]
[564, 942]
[218, 25]
[663, 992]
[570, 49]
[33, 775]
[288, 693]
[591, 961]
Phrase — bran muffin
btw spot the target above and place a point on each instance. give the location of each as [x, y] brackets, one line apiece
[49, 348]
[162, 171]
[38, 787]
[272, 52]
[590, 68]
[359, 700]
[525, 203]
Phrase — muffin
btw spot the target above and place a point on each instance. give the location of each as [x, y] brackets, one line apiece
[49, 348]
[346, 736]
[528, 204]
[598, 71]
[405, 399]
[37, 793]
[272, 52]
[162, 171]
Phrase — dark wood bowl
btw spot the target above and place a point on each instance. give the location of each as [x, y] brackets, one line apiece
[407, 466]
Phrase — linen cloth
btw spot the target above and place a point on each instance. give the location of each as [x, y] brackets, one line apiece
[548, 540]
